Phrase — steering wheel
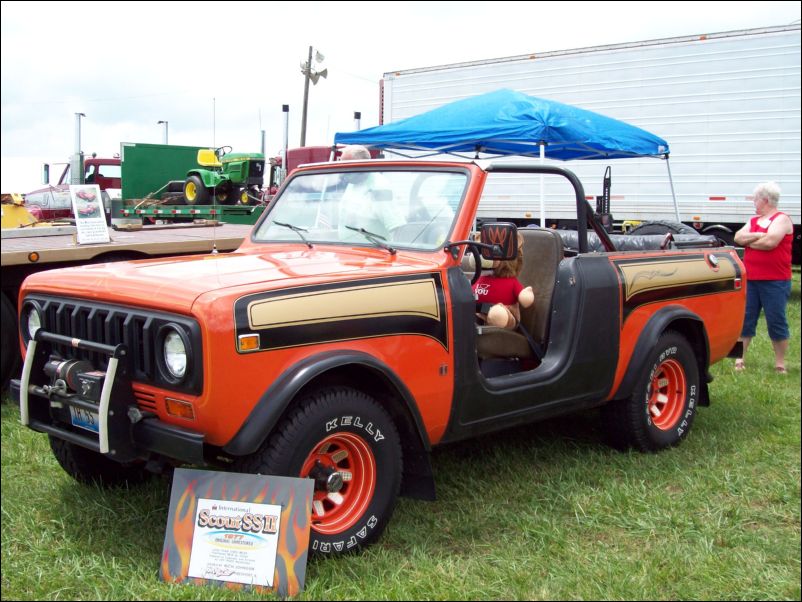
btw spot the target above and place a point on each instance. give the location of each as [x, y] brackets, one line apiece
[668, 241]
[222, 151]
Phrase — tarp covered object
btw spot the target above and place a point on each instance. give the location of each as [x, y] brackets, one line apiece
[506, 122]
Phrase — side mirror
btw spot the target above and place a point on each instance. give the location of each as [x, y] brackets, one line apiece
[45, 173]
[503, 238]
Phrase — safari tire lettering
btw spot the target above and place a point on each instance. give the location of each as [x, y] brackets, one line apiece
[661, 410]
[347, 442]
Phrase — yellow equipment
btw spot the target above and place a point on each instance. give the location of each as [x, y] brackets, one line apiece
[15, 215]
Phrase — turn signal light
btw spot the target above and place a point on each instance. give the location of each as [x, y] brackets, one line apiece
[177, 407]
[249, 342]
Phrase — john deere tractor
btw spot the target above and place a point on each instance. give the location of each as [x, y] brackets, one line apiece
[225, 177]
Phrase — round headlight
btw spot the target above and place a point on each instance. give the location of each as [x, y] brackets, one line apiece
[33, 321]
[175, 354]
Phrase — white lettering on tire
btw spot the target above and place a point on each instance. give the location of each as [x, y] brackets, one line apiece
[352, 541]
[355, 421]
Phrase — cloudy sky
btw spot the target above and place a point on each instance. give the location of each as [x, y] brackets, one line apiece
[220, 72]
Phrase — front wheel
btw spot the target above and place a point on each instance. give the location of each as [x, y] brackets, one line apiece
[10, 328]
[89, 467]
[661, 409]
[347, 442]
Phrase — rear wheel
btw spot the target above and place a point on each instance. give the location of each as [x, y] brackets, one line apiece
[345, 441]
[661, 409]
[195, 192]
[225, 194]
[86, 466]
[236, 195]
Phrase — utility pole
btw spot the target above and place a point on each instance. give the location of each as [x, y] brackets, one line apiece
[165, 130]
[77, 162]
[306, 69]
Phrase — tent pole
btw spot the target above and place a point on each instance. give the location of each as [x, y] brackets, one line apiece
[673, 194]
[542, 196]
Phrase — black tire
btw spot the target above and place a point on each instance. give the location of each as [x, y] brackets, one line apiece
[254, 196]
[228, 194]
[9, 355]
[195, 192]
[224, 195]
[173, 198]
[88, 467]
[348, 430]
[175, 186]
[663, 227]
[661, 409]
[235, 196]
[728, 238]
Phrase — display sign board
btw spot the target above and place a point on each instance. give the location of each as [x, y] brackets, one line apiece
[90, 218]
[238, 530]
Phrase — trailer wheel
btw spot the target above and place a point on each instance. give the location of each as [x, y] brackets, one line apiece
[195, 192]
[347, 442]
[661, 409]
[88, 467]
[662, 227]
[10, 355]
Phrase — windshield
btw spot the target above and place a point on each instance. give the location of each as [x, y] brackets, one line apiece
[406, 209]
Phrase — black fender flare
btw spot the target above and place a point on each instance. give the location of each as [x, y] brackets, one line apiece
[657, 324]
[419, 480]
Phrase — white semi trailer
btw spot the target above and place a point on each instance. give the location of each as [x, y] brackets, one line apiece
[727, 103]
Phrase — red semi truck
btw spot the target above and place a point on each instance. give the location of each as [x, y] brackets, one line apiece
[53, 201]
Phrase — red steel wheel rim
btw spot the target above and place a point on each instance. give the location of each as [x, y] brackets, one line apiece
[351, 456]
[667, 393]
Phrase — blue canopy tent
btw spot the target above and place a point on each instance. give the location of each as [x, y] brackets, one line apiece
[506, 122]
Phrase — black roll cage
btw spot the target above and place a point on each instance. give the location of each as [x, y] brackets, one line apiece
[582, 206]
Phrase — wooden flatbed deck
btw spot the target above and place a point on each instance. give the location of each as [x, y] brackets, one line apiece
[176, 239]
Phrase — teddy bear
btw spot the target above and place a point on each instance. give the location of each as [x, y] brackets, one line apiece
[505, 294]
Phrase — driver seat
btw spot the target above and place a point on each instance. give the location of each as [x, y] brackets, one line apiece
[542, 251]
[208, 158]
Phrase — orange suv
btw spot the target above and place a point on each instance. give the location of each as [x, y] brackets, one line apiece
[340, 343]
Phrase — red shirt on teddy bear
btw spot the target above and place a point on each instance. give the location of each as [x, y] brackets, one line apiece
[492, 289]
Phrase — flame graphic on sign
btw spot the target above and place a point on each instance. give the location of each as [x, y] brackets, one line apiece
[293, 543]
[182, 535]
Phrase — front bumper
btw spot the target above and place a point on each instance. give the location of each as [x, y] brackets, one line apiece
[124, 433]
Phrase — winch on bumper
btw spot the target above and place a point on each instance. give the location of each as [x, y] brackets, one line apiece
[92, 408]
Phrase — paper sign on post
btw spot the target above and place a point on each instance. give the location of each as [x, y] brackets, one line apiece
[90, 218]
[238, 530]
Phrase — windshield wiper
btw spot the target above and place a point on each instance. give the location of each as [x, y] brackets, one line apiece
[297, 230]
[377, 240]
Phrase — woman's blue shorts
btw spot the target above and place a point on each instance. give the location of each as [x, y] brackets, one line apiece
[771, 296]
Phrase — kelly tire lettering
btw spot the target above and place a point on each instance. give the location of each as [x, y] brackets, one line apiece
[347, 442]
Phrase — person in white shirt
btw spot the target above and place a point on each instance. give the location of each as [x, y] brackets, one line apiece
[367, 201]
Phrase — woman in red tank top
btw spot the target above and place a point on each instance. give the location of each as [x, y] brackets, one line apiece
[767, 240]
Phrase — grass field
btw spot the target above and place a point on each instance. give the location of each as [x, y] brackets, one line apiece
[542, 512]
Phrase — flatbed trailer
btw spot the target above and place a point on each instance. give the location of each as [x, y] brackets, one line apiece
[42, 250]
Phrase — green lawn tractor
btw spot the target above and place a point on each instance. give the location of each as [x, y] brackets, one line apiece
[225, 177]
